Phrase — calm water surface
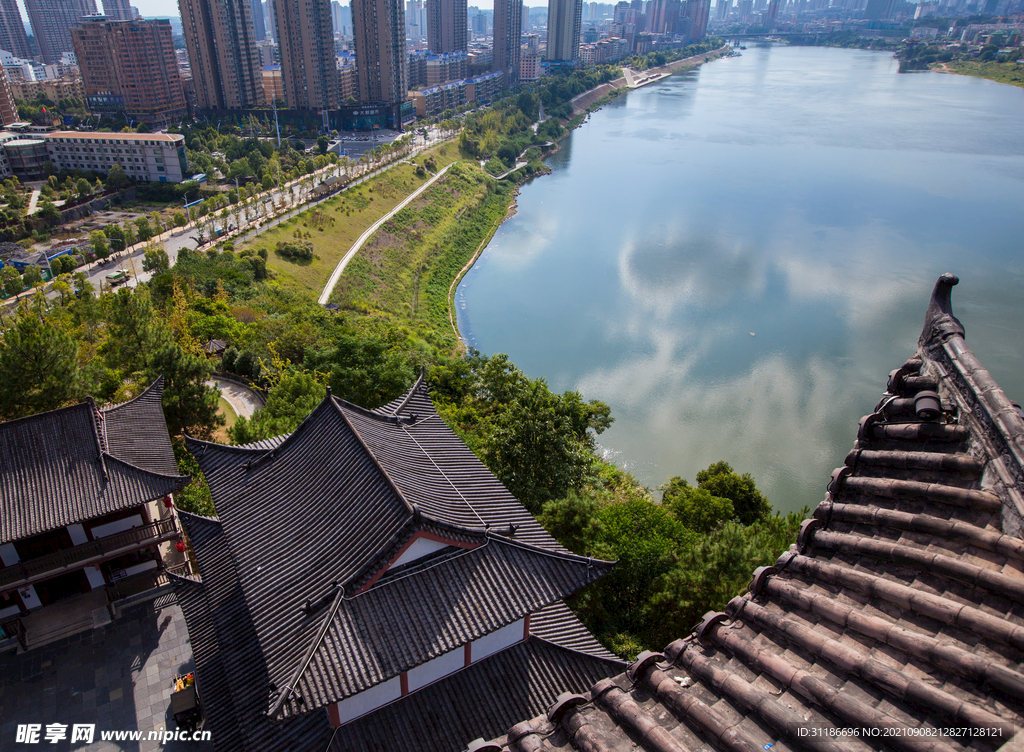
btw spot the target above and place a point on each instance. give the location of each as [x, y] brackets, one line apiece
[735, 258]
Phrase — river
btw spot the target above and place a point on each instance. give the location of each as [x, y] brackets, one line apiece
[735, 257]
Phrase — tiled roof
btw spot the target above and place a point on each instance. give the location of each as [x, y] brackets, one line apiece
[406, 621]
[898, 614]
[58, 470]
[436, 471]
[136, 431]
[295, 609]
[479, 701]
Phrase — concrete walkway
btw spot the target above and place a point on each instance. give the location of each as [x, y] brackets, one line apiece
[350, 254]
[243, 400]
[117, 677]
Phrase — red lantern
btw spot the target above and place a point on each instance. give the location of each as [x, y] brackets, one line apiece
[180, 546]
[168, 502]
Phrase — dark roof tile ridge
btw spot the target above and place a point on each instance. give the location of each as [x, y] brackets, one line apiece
[620, 662]
[413, 509]
[203, 444]
[157, 385]
[951, 529]
[398, 578]
[202, 517]
[954, 568]
[109, 458]
[944, 610]
[303, 428]
[325, 625]
[856, 662]
[913, 642]
[769, 707]
[850, 710]
[101, 449]
[420, 382]
[366, 412]
[25, 419]
[563, 555]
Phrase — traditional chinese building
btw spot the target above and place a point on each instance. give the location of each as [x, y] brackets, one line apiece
[896, 622]
[82, 493]
[370, 585]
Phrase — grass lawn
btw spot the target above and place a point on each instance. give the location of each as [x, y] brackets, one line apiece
[1004, 73]
[333, 226]
[224, 408]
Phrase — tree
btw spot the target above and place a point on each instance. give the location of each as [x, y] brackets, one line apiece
[322, 143]
[179, 219]
[294, 397]
[155, 259]
[100, 247]
[12, 281]
[117, 179]
[32, 275]
[189, 405]
[720, 480]
[696, 507]
[38, 364]
[49, 213]
[83, 188]
[145, 232]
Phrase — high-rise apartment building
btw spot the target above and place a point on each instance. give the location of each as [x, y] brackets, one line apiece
[305, 36]
[508, 20]
[226, 69]
[258, 26]
[12, 30]
[698, 12]
[379, 37]
[52, 21]
[130, 67]
[415, 19]
[446, 26]
[663, 17]
[118, 10]
[564, 19]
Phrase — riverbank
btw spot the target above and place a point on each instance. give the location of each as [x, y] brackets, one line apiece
[1002, 73]
[588, 101]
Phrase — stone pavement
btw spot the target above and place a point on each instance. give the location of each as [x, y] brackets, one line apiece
[117, 677]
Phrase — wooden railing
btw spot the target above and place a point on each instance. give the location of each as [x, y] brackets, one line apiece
[26, 572]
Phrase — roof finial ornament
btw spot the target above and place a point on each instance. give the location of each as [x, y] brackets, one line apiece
[939, 322]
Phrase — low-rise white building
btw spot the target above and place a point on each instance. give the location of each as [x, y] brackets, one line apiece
[153, 157]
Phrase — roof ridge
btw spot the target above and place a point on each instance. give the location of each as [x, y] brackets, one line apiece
[158, 384]
[566, 648]
[111, 458]
[325, 625]
[413, 509]
[46, 414]
[420, 381]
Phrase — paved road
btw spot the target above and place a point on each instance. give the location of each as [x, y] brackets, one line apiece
[243, 400]
[336, 274]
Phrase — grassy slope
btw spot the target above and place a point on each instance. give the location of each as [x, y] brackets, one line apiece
[1004, 73]
[406, 268]
[343, 219]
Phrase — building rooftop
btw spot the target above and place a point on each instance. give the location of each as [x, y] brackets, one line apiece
[76, 463]
[896, 621]
[306, 597]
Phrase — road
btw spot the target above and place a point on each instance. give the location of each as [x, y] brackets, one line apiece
[174, 240]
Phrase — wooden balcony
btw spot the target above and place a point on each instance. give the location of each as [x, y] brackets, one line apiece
[34, 570]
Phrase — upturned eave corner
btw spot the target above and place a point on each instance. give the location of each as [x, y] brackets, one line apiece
[939, 322]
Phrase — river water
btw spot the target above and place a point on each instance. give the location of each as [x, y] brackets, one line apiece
[735, 257]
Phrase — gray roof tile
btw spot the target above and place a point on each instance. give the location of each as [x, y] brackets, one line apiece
[57, 469]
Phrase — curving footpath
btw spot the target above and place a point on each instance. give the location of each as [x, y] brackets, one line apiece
[368, 233]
